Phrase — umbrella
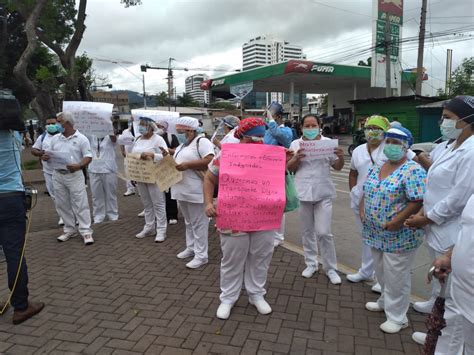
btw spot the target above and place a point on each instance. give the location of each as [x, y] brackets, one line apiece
[435, 321]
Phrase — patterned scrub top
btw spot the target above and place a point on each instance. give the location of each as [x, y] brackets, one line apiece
[385, 199]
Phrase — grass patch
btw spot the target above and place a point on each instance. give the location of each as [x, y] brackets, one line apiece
[31, 164]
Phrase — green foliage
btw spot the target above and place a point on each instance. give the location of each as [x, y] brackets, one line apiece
[162, 99]
[31, 164]
[223, 105]
[364, 64]
[186, 100]
[462, 80]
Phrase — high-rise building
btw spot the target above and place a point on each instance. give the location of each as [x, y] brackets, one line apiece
[193, 88]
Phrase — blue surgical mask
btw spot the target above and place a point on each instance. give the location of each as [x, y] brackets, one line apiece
[52, 128]
[394, 152]
[182, 138]
[199, 130]
[142, 130]
[310, 133]
[60, 128]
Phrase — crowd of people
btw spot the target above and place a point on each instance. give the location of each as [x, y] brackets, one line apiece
[399, 199]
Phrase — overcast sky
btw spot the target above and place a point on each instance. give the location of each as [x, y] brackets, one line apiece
[210, 34]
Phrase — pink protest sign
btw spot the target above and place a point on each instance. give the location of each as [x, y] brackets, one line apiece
[251, 187]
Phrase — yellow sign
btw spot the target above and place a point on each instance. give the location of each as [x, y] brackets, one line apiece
[140, 170]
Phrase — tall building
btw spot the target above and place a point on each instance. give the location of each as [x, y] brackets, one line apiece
[193, 88]
[118, 98]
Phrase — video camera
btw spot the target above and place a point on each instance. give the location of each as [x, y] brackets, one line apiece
[10, 112]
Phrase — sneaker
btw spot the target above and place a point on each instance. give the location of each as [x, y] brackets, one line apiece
[373, 307]
[333, 277]
[223, 312]
[88, 240]
[145, 233]
[419, 337]
[98, 221]
[424, 307]
[32, 309]
[160, 238]
[377, 288]
[186, 253]
[262, 306]
[195, 263]
[392, 327]
[173, 221]
[141, 214]
[309, 271]
[65, 237]
[357, 277]
[129, 193]
[60, 222]
[277, 243]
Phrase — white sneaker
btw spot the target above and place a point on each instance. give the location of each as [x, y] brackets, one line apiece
[129, 193]
[334, 277]
[60, 222]
[392, 327]
[277, 243]
[141, 214]
[377, 288]
[160, 238]
[223, 312]
[88, 240]
[186, 253]
[65, 237]
[357, 277]
[98, 221]
[173, 221]
[145, 233]
[424, 307]
[262, 306]
[195, 263]
[309, 271]
[373, 307]
[419, 337]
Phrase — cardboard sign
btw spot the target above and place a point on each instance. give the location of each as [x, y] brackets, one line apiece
[167, 175]
[251, 187]
[140, 170]
[91, 118]
[319, 149]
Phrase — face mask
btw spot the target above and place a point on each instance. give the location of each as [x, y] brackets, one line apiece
[52, 128]
[160, 131]
[310, 133]
[142, 130]
[448, 129]
[199, 130]
[129, 124]
[373, 135]
[60, 128]
[394, 152]
[182, 138]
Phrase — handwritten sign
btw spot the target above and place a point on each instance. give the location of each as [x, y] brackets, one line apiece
[140, 170]
[58, 160]
[319, 149]
[91, 118]
[125, 139]
[251, 187]
[167, 175]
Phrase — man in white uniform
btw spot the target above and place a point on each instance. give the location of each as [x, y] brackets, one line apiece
[69, 187]
[103, 178]
[125, 149]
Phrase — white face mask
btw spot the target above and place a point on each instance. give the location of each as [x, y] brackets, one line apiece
[448, 129]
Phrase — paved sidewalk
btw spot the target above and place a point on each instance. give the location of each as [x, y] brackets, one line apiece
[123, 295]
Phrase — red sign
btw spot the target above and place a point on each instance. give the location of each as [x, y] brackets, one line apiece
[392, 7]
[206, 84]
[298, 66]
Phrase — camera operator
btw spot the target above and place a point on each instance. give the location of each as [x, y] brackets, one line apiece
[13, 209]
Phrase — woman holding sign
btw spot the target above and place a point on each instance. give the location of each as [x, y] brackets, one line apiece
[151, 146]
[316, 191]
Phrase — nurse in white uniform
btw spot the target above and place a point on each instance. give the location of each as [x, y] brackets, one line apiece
[125, 149]
[103, 178]
[192, 156]
[316, 191]
[151, 146]
[227, 128]
[450, 184]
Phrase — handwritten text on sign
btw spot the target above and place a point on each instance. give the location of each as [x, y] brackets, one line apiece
[167, 175]
[251, 187]
[319, 149]
[140, 170]
[91, 118]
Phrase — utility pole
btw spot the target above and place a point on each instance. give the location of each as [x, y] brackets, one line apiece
[449, 67]
[170, 83]
[421, 47]
[144, 92]
[388, 58]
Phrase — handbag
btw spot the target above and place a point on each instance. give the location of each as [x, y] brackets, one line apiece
[292, 202]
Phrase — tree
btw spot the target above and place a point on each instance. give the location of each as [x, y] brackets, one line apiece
[223, 105]
[162, 99]
[364, 64]
[186, 100]
[462, 80]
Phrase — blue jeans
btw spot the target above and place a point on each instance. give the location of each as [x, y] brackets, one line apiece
[12, 239]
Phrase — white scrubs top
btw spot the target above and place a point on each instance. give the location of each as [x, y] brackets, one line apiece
[150, 145]
[45, 144]
[103, 152]
[77, 146]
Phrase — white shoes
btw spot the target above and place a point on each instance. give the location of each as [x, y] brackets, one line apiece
[262, 306]
[223, 312]
[377, 288]
[129, 192]
[145, 233]
[88, 240]
[391, 327]
[160, 238]
[309, 271]
[373, 307]
[419, 337]
[277, 243]
[60, 222]
[186, 253]
[66, 236]
[173, 221]
[424, 307]
[334, 277]
[357, 277]
[195, 263]
[141, 214]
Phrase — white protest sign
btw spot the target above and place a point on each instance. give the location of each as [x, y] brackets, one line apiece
[125, 139]
[319, 149]
[156, 115]
[58, 160]
[91, 118]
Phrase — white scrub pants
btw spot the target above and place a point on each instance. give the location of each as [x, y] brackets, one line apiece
[48, 179]
[315, 218]
[280, 233]
[245, 258]
[393, 272]
[71, 201]
[104, 196]
[367, 263]
[197, 228]
[468, 328]
[435, 285]
[130, 186]
[155, 207]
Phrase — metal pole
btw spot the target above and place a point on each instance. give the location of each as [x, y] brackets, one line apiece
[421, 47]
[144, 92]
[449, 64]
[388, 60]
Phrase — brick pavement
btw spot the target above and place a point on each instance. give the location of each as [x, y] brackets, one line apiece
[125, 296]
